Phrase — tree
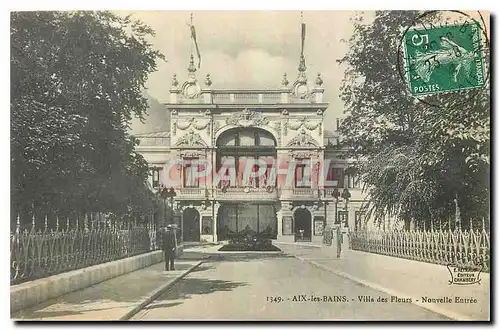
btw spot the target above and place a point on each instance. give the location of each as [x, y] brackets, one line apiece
[421, 161]
[77, 80]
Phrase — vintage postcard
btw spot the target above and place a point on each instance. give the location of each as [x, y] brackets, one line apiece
[250, 165]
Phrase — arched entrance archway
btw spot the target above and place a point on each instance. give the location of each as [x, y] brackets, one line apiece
[190, 225]
[302, 224]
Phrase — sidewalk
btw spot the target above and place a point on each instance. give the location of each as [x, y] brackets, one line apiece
[112, 300]
[402, 278]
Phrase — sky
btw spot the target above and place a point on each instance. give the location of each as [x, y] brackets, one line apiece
[250, 49]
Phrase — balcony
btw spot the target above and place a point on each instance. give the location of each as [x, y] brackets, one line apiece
[153, 139]
[192, 193]
[246, 194]
[256, 193]
[299, 193]
[250, 97]
[246, 97]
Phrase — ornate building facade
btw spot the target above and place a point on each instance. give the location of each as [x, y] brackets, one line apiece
[252, 160]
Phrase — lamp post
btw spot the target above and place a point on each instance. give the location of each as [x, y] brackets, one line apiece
[346, 195]
[336, 195]
[168, 194]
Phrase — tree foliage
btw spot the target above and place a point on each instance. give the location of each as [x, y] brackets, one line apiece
[418, 158]
[77, 79]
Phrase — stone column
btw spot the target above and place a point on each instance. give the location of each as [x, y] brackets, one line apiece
[330, 213]
[285, 212]
[279, 220]
[215, 208]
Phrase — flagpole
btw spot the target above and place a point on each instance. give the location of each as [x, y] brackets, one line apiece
[302, 63]
[192, 35]
[302, 32]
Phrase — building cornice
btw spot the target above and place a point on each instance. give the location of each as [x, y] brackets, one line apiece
[288, 106]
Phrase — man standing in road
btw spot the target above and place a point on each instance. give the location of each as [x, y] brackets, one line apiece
[338, 240]
[169, 246]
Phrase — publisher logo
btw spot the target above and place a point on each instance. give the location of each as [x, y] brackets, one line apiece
[464, 275]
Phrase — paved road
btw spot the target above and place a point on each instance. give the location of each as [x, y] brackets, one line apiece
[272, 288]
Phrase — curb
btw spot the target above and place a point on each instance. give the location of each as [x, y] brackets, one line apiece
[156, 293]
[296, 244]
[431, 307]
[249, 252]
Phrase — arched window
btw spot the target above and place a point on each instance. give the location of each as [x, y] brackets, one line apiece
[251, 137]
[238, 148]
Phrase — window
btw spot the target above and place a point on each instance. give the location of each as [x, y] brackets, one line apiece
[247, 138]
[191, 170]
[156, 177]
[268, 181]
[227, 140]
[335, 174]
[353, 181]
[342, 218]
[255, 170]
[359, 217]
[349, 179]
[229, 178]
[242, 146]
[302, 178]
[357, 182]
[332, 141]
[251, 178]
[265, 140]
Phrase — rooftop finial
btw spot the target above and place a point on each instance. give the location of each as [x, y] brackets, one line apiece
[208, 80]
[175, 82]
[319, 81]
[284, 82]
[191, 67]
[302, 63]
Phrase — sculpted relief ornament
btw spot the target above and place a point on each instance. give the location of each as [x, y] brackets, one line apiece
[191, 139]
[296, 124]
[277, 127]
[185, 124]
[247, 118]
[192, 153]
[303, 140]
[303, 154]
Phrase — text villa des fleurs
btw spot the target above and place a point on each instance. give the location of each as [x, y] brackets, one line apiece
[367, 299]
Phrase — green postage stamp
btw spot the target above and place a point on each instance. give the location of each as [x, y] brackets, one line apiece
[443, 59]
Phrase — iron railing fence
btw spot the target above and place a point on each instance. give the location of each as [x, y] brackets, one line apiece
[36, 253]
[458, 248]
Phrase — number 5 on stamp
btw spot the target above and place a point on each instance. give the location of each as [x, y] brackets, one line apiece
[444, 59]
